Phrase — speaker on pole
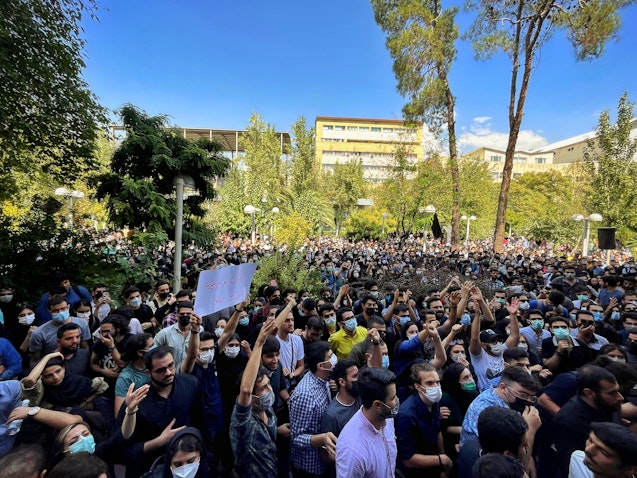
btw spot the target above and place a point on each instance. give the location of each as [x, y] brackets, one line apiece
[606, 238]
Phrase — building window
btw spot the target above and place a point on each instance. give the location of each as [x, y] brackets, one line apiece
[363, 128]
[328, 127]
[375, 129]
[339, 128]
[496, 159]
[519, 159]
[540, 160]
[517, 175]
[388, 130]
[352, 128]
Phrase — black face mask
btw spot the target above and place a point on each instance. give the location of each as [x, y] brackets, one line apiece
[163, 295]
[184, 320]
[276, 301]
[519, 405]
[632, 347]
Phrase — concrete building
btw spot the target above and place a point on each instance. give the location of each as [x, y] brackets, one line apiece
[523, 161]
[373, 141]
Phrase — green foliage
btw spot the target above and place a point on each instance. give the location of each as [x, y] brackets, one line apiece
[288, 269]
[33, 249]
[305, 170]
[292, 229]
[343, 187]
[139, 189]
[49, 118]
[609, 161]
[368, 224]
[518, 29]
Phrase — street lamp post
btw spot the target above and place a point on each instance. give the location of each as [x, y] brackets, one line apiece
[251, 210]
[384, 216]
[180, 182]
[595, 217]
[275, 211]
[468, 219]
[70, 194]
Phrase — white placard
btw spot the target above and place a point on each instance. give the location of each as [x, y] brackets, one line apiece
[223, 287]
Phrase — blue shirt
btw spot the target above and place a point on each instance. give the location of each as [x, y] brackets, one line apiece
[308, 402]
[10, 359]
[253, 442]
[488, 398]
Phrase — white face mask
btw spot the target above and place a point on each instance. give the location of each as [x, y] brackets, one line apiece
[433, 394]
[5, 299]
[186, 471]
[457, 357]
[231, 352]
[496, 348]
[218, 332]
[83, 315]
[207, 356]
[27, 319]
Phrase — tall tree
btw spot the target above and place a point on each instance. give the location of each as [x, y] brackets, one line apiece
[421, 36]
[305, 170]
[609, 161]
[140, 186]
[49, 118]
[518, 28]
[343, 187]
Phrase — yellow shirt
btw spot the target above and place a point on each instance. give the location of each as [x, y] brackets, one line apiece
[342, 342]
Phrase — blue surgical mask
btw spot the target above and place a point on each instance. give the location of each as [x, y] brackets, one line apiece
[466, 319]
[615, 316]
[385, 361]
[350, 324]
[60, 317]
[84, 443]
[404, 320]
[598, 317]
[537, 324]
[561, 334]
[244, 321]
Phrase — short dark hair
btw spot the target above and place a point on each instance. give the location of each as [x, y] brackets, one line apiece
[119, 322]
[156, 353]
[315, 354]
[186, 304]
[66, 327]
[79, 465]
[514, 353]
[496, 465]
[590, 376]
[205, 335]
[373, 383]
[375, 320]
[556, 297]
[327, 306]
[315, 323]
[271, 345]
[501, 429]
[160, 283]
[340, 370]
[24, 460]
[369, 284]
[518, 375]
[129, 291]
[133, 345]
[367, 298]
[618, 438]
[341, 311]
[57, 301]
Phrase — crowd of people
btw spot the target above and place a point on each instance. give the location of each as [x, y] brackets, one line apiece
[412, 360]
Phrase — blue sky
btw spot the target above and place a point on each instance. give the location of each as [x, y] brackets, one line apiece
[211, 63]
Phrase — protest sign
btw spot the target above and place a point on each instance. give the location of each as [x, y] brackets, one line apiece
[223, 287]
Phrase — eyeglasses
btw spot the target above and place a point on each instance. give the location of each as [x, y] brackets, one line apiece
[109, 332]
[163, 370]
[523, 395]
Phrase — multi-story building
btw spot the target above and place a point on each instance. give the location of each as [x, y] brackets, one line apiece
[523, 161]
[373, 141]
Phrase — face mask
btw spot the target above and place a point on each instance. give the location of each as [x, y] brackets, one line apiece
[524, 346]
[218, 332]
[184, 319]
[333, 360]
[5, 299]
[385, 361]
[83, 315]
[374, 294]
[163, 295]
[518, 405]
[403, 320]
[466, 319]
[207, 356]
[330, 268]
[350, 325]
[388, 298]
[582, 298]
[390, 412]
[561, 334]
[598, 317]
[569, 275]
[231, 352]
[186, 471]
[537, 324]
[27, 319]
[615, 316]
[372, 311]
[433, 394]
[84, 443]
[617, 359]
[496, 348]
[276, 301]
[469, 386]
[457, 357]
[244, 321]
[257, 310]
[525, 305]
[330, 321]
[60, 317]
[265, 401]
[135, 303]
[501, 300]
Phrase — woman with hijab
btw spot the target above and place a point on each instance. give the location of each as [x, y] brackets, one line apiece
[186, 457]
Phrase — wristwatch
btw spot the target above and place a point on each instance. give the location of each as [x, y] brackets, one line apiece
[33, 411]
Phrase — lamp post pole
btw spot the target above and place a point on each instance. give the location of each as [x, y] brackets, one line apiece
[179, 222]
[587, 229]
[468, 219]
[384, 216]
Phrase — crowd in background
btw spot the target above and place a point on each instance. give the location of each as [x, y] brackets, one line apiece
[412, 359]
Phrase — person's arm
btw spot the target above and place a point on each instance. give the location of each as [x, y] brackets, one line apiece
[193, 344]
[440, 356]
[454, 300]
[514, 326]
[342, 293]
[51, 418]
[412, 313]
[376, 359]
[163, 438]
[133, 399]
[283, 313]
[24, 347]
[455, 330]
[252, 367]
[548, 404]
[531, 416]
[11, 361]
[231, 326]
[30, 380]
[475, 345]
[445, 291]
[554, 361]
[390, 310]
[484, 307]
